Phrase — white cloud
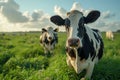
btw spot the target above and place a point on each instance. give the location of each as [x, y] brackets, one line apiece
[11, 19]
[10, 10]
[27, 15]
[60, 11]
[37, 14]
[76, 6]
[107, 15]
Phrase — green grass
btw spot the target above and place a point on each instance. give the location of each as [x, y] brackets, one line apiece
[22, 58]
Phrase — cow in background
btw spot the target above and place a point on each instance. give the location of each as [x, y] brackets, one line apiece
[110, 35]
[84, 46]
[48, 39]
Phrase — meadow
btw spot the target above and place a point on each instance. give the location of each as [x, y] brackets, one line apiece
[22, 58]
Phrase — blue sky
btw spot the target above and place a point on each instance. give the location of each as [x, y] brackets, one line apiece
[48, 5]
[26, 15]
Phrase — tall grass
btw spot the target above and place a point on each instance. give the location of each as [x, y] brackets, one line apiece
[22, 58]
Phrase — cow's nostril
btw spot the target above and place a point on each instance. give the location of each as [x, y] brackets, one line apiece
[73, 42]
[69, 40]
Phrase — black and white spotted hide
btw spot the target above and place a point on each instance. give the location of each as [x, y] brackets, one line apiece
[84, 46]
[49, 39]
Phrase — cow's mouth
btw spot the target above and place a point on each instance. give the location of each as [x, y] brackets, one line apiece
[73, 45]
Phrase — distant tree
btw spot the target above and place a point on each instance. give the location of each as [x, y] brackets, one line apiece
[118, 30]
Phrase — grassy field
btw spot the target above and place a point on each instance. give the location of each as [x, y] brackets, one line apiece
[22, 58]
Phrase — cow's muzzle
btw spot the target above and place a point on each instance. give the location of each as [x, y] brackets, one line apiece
[73, 42]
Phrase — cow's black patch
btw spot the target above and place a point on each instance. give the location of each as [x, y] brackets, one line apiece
[88, 47]
[81, 31]
[71, 52]
[101, 49]
[95, 33]
[81, 28]
[82, 54]
[99, 39]
[46, 40]
[67, 22]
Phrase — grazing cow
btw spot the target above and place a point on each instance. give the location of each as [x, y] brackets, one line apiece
[84, 46]
[48, 39]
[109, 35]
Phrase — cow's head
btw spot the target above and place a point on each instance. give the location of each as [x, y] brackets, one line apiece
[74, 24]
[50, 33]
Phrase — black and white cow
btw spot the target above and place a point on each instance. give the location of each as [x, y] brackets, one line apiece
[49, 39]
[84, 46]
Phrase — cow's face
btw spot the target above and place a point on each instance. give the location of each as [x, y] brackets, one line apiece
[50, 33]
[74, 24]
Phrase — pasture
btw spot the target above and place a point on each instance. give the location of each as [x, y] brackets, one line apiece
[22, 58]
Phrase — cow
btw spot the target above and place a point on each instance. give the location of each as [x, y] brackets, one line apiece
[110, 35]
[84, 46]
[48, 39]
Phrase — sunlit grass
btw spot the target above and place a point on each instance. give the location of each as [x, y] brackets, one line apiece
[22, 58]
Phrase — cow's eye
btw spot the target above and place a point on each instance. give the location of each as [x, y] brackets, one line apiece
[67, 22]
[81, 21]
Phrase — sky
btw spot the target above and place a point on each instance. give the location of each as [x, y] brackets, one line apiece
[33, 15]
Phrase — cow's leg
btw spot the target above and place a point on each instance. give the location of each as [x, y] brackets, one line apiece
[51, 48]
[89, 70]
[82, 79]
[51, 51]
[46, 50]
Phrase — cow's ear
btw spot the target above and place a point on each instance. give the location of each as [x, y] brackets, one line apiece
[44, 30]
[57, 20]
[92, 16]
[56, 29]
